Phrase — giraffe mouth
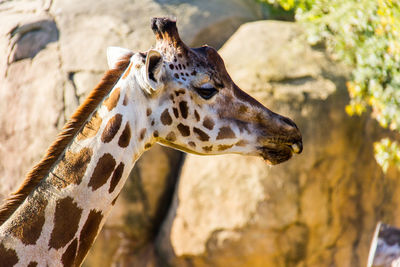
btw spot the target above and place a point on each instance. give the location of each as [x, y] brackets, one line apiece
[275, 153]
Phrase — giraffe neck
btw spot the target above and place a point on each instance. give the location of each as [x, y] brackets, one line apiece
[59, 220]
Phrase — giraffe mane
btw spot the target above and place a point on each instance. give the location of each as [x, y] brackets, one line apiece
[69, 131]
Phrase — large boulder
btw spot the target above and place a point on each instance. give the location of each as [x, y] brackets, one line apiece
[54, 54]
[318, 209]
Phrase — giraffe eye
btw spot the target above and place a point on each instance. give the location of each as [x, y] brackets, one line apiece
[207, 92]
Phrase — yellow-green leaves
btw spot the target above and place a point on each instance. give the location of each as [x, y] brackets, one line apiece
[387, 152]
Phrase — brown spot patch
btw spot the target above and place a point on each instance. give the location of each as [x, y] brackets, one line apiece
[201, 135]
[147, 146]
[68, 257]
[176, 75]
[32, 264]
[148, 112]
[171, 137]
[152, 123]
[184, 109]
[155, 134]
[71, 168]
[225, 133]
[243, 109]
[259, 118]
[88, 234]
[29, 228]
[243, 126]
[207, 148]
[126, 99]
[91, 127]
[176, 113]
[125, 137]
[183, 129]
[112, 100]
[208, 123]
[66, 222]
[102, 171]
[193, 73]
[192, 144]
[196, 114]
[142, 134]
[8, 256]
[127, 71]
[114, 200]
[171, 66]
[166, 118]
[111, 128]
[179, 92]
[241, 143]
[116, 177]
[224, 147]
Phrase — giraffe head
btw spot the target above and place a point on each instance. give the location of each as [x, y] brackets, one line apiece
[193, 104]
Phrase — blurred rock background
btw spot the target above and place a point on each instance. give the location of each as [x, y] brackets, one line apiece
[318, 209]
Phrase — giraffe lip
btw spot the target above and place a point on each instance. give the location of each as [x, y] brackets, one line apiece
[277, 153]
[296, 148]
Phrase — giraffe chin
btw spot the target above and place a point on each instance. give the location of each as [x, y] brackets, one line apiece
[275, 154]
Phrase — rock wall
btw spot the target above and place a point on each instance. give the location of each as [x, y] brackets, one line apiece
[318, 209]
[52, 53]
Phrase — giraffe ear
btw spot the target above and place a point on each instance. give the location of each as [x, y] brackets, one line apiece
[154, 64]
[115, 54]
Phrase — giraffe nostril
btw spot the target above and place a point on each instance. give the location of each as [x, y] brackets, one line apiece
[289, 122]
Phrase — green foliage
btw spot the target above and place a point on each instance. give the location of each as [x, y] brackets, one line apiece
[386, 152]
[366, 35]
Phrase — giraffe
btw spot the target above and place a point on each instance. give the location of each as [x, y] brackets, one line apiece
[173, 95]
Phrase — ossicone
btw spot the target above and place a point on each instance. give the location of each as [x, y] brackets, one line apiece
[166, 31]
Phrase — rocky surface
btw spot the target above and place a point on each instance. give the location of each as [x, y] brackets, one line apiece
[53, 54]
[318, 209]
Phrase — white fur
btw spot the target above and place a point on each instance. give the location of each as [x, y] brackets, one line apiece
[115, 54]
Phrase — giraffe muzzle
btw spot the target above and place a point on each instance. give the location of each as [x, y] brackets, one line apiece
[275, 152]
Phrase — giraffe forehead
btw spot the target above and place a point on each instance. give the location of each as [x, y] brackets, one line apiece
[191, 67]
